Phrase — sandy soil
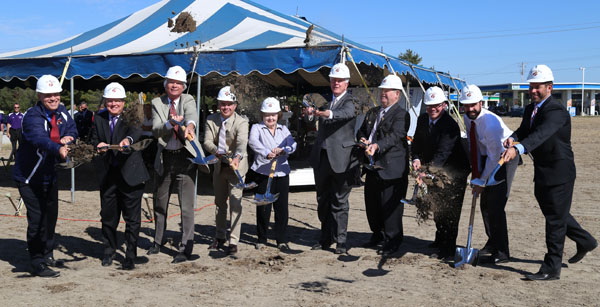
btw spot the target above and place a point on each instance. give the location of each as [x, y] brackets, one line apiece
[304, 277]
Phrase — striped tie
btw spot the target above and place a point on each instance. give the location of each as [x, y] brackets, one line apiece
[533, 115]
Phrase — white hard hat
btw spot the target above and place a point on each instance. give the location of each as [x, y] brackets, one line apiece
[391, 81]
[434, 95]
[176, 73]
[540, 73]
[48, 84]
[225, 94]
[114, 90]
[470, 94]
[339, 70]
[270, 105]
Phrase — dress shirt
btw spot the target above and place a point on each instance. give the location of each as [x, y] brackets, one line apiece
[262, 142]
[491, 132]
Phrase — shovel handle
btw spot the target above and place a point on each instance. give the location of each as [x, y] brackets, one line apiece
[231, 165]
[273, 167]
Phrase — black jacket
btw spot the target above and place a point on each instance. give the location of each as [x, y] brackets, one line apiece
[549, 142]
[442, 147]
[131, 165]
[390, 137]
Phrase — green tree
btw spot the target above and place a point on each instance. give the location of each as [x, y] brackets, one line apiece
[411, 57]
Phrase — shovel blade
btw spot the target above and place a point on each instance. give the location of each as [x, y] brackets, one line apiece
[465, 255]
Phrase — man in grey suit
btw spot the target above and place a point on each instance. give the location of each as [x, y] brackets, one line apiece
[335, 166]
[173, 170]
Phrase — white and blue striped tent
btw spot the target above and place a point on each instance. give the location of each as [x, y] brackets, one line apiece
[231, 36]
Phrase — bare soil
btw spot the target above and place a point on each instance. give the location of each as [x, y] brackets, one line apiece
[303, 277]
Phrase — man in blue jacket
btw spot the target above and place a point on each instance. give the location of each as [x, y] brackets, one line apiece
[47, 129]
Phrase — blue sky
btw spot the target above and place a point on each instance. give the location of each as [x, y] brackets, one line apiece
[484, 42]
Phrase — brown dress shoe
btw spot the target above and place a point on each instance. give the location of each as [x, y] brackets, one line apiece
[217, 244]
[232, 250]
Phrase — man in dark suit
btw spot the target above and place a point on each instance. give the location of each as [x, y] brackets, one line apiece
[335, 166]
[384, 133]
[83, 120]
[545, 133]
[437, 143]
[122, 176]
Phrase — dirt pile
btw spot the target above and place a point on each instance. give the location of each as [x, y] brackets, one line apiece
[441, 190]
[134, 114]
[184, 23]
[82, 152]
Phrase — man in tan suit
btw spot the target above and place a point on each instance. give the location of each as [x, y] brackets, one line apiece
[227, 132]
[173, 169]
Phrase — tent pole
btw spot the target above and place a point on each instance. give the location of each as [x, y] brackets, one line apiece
[72, 169]
[199, 110]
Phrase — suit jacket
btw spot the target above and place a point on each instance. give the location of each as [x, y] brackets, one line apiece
[131, 165]
[336, 136]
[442, 147]
[161, 114]
[390, 137]
[236, 138]
[549, 142]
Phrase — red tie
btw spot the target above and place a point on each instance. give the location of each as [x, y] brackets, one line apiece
[474, 154]
[54, 133]
[173, 114]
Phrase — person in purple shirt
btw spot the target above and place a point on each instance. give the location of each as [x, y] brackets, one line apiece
[270, 141]
[13, 129]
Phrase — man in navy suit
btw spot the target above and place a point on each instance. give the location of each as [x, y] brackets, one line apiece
[122, 175]
[545, 133]
[384, 133]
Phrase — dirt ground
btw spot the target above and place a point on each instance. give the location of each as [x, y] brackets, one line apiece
[304, 277]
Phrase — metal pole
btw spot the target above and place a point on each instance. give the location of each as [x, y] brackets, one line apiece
[582, 88]
[72, 169]
[199, 109]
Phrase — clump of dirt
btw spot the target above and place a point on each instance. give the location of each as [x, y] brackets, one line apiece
[275, 263]
[82, 152]
[250, 91]
[442, 191]
[191, 268]
[146, 275]
[134, 114]
[184, 23]
[59, 288]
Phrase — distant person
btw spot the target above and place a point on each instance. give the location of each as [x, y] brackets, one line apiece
[545, 133]
[384, 133]
[14, 128]
[486, 133]
[270, 142]
[83, 120]
[149, 153]
[437, 143]
[121, 178]
[226, 136]
[1, 123]
[48, 128]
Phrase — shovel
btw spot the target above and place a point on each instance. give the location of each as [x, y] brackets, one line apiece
[371, 166]
[199, 159]
[141, 145]
[241, 184]
[267, 198]
[468, 255]
[17, 209]
[414, 196]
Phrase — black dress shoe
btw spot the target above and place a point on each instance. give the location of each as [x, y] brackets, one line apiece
[217, 244]
[108, 259]
[340, 249]
[50, 261]
[581, 253]
[389, 249]
[42, 270]
[232, 250]
[128, 264]
[543, 276]
[155, 249]
[179, 258]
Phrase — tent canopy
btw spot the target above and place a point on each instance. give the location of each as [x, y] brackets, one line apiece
[228, 36]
